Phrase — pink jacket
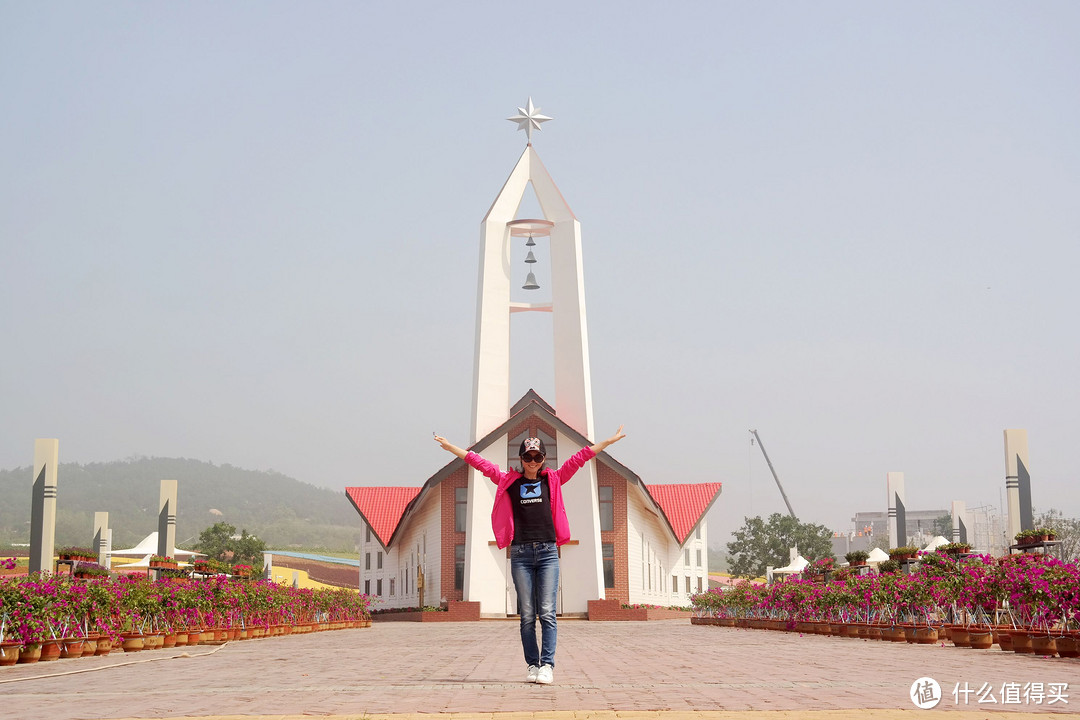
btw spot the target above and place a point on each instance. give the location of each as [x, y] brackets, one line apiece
[502, 513]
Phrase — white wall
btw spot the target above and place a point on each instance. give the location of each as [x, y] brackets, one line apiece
[401, 561]
[654, 555]
[485, 564]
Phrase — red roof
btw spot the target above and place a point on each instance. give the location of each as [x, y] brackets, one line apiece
[684, 504]
[382, 507]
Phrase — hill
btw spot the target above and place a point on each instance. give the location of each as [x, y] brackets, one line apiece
[279, 509]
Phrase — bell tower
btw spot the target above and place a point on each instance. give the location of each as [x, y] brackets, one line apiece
[487, 577]
[499, 228]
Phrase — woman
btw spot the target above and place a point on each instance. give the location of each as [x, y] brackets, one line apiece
[529, 516]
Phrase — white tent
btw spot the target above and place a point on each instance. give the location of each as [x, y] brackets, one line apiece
[937, 542]
[877, 555]
[795, 566]
[148, 547]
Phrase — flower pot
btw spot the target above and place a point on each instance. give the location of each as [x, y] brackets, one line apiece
[168, 640]
[960, 636]
[104, 645]
[71, 648]
[873, 632]
[30, 653]
[1021, 642]
[9, 653]
[153, 641]
[1068, 645]
[194, 637]
[926, 635]
[50, 650]
[133, 642]
[1003, 637]
[893, 633]
[89, 646]
[1043, 645]
[980, 638]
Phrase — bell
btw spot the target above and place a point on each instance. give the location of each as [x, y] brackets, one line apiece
[530, 242]
[530, 258]
[530, 283]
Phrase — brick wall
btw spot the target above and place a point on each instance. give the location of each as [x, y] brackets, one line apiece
[617, 536]
[458, 479]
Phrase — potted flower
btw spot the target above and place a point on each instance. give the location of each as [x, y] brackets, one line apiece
[956, 548]
[904, 552]
[163, 562]
[242, 570]
[888, 566]
[857, 557]
[87, 570]
[77, 553]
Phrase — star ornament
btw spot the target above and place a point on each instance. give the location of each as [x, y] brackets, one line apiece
[529, 119]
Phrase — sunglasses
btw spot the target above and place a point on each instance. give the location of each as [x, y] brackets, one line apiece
[532, 457]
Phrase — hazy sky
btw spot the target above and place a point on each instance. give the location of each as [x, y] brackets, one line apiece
[248, 233]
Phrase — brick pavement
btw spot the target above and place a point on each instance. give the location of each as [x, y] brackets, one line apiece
[660, 669]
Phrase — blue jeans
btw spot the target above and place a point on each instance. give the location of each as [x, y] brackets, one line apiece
[535, 569]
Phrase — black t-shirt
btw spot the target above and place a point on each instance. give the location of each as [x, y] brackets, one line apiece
[531, 500]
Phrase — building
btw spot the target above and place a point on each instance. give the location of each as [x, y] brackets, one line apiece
[432, 543]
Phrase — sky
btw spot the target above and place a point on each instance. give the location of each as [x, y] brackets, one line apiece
[248, 233]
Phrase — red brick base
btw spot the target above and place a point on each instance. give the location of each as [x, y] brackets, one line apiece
[456, 611]
[613, 610]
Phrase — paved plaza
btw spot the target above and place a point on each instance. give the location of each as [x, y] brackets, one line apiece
[661, 669]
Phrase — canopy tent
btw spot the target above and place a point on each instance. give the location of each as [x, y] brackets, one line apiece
[877, 555]
[934, 544]
[148, 547]
[795, 566]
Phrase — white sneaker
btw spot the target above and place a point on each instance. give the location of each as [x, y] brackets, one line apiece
[533, 672]
[546, 675]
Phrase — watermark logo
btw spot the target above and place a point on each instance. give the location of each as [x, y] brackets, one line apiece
[925, 693]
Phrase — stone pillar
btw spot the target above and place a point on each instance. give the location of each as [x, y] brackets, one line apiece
[167, 519]
[43, 505]
[101, 537]
[268, 566]
[960, 532]
[894, 483]
[1017, 484]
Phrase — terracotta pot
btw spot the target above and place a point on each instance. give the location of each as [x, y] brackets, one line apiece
[893, 633]
[9, 653]
[51, 649]
[873, 632]
[154, 641]
[89, 646]
[104, 645]
[926, 635]
[168, 640]
[71, 648]
[194, 637]
[1021, 641]
[1003, 637]
[133, 642]
[1043, 645]
[960, 636]
[1068, 645]
[30, 654]
[980, 638]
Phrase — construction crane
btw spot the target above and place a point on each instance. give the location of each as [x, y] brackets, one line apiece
[772, 470]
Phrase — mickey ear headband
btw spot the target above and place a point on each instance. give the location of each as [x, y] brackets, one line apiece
[532, 444]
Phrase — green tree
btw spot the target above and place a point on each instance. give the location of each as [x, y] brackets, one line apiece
[759, 543]
[220, 542]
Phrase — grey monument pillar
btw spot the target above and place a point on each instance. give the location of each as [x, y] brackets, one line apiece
[43, 505]
[894, 485]
[101, 537]
[1017, 483]
[166, 542]
[960, 531]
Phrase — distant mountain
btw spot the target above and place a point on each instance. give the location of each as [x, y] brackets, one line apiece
[279, 509]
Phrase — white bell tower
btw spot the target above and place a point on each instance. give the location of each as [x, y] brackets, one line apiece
[487, 568]
[570, 345]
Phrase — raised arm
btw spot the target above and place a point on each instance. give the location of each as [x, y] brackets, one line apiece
[450, 447]
[603, 444]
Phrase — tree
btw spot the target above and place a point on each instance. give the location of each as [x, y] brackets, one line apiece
[220, 542]
[1067, 530]
[759, 543]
